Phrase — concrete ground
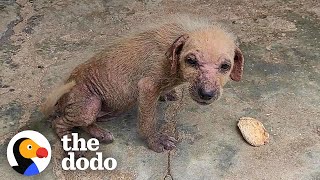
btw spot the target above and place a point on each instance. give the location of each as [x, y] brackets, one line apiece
[41, 41]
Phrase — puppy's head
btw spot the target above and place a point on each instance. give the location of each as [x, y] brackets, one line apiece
[206, 59]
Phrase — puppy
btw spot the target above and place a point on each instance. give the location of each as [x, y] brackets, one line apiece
[138, 69]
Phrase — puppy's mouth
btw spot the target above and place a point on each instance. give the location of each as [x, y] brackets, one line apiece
[200, 101]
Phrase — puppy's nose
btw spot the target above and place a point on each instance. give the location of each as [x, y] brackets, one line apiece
[206, 94]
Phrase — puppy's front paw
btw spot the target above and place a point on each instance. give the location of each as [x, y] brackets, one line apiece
[103, 136]
[160, 142]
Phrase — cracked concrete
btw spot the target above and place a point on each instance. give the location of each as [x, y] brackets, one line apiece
[42, 41]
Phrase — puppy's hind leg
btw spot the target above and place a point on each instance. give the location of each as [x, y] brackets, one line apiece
[80, 109]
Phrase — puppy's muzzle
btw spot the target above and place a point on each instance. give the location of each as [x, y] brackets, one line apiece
[204, 95]
[208, 95]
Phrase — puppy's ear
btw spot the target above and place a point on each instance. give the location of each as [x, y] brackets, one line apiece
[174, 51]
[236, 73]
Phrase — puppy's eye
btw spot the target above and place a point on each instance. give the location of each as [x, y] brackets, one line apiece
[225, 67]
[192, 61]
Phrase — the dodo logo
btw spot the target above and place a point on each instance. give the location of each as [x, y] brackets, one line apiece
[29, 153]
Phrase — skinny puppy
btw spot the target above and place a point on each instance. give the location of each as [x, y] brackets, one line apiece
[141, 67]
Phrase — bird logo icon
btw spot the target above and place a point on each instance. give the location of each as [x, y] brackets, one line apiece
[29, 153]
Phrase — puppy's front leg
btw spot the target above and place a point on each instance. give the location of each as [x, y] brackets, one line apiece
[148, 97]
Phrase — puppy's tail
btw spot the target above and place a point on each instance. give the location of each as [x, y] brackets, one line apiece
[48, 106]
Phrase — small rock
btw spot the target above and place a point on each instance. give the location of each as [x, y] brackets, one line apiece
[11, 123]
[268, 48]
[263, 16]
[253, 131]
